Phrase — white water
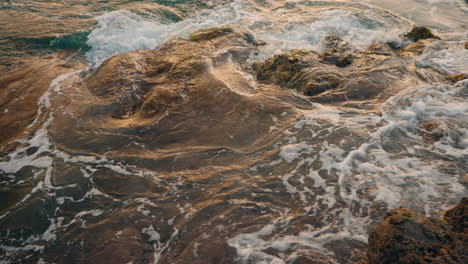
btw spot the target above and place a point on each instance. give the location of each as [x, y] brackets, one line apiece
[287, 27]
[412, 177]
[448, 57]
[122, 31]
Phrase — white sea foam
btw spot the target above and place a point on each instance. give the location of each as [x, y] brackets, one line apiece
[390, 179]
[152, 234]
[122, 30]
[357, 29]
[448, 57]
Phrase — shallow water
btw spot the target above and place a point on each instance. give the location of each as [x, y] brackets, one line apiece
[317, 183]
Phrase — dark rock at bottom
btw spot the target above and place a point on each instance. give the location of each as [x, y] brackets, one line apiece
[405, 237]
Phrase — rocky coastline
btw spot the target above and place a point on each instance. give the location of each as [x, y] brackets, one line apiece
[167, 100]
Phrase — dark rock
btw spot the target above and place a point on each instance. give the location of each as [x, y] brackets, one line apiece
[337, 51]
[347, 250]
[300, 70]
[337, 43]
[418, 33]
[280, 69]
[319, 81]
[457, 217]
[406, 236]
[334, 57]
[363, 88]
[30, 151]
[340, 75]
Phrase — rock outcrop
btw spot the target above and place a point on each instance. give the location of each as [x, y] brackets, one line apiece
[457, 217]
[191, 83]
[337, 52]
[418, 33]
[150, 155]
[341, 75]
[406, 236]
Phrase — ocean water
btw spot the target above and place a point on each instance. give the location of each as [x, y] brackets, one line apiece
[344, 169]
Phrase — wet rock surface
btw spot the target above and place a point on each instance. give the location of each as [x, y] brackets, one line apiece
[406, 236]
[172, 98]
[21, 89]
[341, 73]
[189, 154]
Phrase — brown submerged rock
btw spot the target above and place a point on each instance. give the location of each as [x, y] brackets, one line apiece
[211, 33]
[282, 68]
[20, 90]
[172, 97]
[406, 236]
